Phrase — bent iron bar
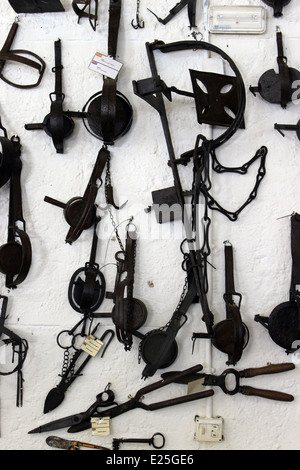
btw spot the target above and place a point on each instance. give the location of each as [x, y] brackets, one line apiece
[152, 91]
[19, 347]
[191, 4]
[7, 54]
[91, 14]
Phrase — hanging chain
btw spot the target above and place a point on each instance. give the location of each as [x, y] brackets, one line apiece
[66, 362]
[108, 183]
[139, 23]
[204, 156]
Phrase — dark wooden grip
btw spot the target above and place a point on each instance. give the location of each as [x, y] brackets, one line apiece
[270, 394]
[271, 369]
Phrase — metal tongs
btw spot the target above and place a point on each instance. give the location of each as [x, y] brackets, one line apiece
[224, 381]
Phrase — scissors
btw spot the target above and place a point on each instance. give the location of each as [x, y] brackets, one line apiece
[82, 421]
[103, 399]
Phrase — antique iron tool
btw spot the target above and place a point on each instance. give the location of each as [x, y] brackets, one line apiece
[36, 6]
[103, 399]
[86, 293]
[277, 6]
[87, 285]
[230, 335]
[66, 444]
[139, 23]
[86, 9]
[58, 124]
[152, 441]
[81, 421]
[153, 90]
[129, 313]
[223, 381]
[16, 254]
[288, 127]
[191, 4]
[80, 212]
[19, 348]
[276, 88]
[283, 324]
[108, 114]
[70, 372]
[20, 56]
[159, 348]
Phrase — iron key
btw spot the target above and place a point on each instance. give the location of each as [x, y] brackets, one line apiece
[116, 442]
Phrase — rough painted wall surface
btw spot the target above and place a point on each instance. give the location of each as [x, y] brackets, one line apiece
[39, 309]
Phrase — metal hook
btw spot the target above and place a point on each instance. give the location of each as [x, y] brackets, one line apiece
[112, 334]
[139, 23]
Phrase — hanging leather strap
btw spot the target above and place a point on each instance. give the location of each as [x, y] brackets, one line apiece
[56, 117]
[113, 26]
[15, 219]
[229, 276]
[109, 91]
[232, 309]
[7, 159]
[123, 310]
[295, 249]
[283, 72]
[89, 195]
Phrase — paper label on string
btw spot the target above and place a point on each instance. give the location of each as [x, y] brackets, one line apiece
[100, 426]
[91, 345]
[106, 65]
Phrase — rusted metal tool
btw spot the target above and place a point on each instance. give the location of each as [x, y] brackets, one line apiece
[20, 56]
[152, 441]
[66, 444]
[224, 381]
[82, 421]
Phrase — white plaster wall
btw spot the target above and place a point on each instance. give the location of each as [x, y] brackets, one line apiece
[39, 308]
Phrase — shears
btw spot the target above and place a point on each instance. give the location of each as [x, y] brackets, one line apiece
[82, 421]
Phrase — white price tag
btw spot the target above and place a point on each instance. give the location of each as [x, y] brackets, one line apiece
[106, 65]
[91, 345]
[100, 426]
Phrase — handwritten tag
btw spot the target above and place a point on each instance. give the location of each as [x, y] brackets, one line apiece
[91, 345]
[100, 426]
[106, 65]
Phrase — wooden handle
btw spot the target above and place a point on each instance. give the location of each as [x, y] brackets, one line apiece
[270, 394]
[271, 369]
